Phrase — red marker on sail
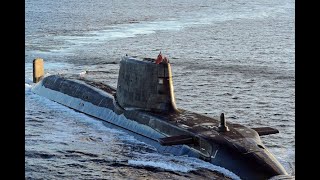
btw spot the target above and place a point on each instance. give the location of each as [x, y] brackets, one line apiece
[159, 58]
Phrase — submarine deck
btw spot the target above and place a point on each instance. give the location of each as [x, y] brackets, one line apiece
[191, 121]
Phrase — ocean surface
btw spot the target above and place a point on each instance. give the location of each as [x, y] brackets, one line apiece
[235, 57]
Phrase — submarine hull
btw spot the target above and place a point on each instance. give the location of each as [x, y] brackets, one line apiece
[99, 100]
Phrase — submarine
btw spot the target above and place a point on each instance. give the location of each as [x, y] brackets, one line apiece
[143, 103]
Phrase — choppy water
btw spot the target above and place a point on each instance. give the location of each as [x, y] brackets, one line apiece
[235, 57]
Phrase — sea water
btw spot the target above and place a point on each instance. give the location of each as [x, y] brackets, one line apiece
[233, 57]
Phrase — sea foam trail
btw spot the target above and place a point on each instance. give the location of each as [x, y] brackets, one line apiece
[186, 20]
[178, 163]
[114, 32]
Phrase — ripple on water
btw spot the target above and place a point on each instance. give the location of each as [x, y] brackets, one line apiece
[237, 62]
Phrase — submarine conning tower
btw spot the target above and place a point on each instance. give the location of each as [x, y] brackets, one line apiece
[145, 85]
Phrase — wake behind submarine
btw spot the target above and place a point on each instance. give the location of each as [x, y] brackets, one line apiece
[143, 103]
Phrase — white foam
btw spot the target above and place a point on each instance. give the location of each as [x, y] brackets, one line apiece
[175, 24]
[162, 165]
[27, 87]
[178, 163]
[124, 31]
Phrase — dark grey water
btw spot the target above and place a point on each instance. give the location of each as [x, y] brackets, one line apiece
[235, 57]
